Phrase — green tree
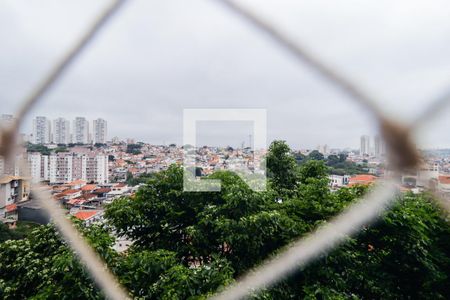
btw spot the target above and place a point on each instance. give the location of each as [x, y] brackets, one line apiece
[282, 167]
[41, 266]
[316, 155]
[159, 275]
[235, 223]
[6, 233]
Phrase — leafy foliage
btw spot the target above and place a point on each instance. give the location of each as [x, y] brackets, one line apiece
[282, 167]
[187, 244]
[41, 266]
[37, 148]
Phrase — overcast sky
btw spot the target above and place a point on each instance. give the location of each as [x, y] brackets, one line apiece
[156, 58]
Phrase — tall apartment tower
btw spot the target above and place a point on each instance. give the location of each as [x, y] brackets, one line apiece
[61, 131]
[100, 131]
[41, 130]
[80, 131]
[365, 145]
[380, 146]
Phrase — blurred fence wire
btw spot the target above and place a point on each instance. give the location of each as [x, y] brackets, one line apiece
[398, 137]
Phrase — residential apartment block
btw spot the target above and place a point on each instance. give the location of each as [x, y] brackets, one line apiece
[13, 189]
[99, 129]
[61, 131]
[65, 167]
[41, 130]
[80, 131]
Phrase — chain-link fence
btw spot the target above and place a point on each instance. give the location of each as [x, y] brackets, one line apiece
[398, 137]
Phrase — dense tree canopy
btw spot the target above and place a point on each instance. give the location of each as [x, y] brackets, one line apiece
[189, 244]
[282, 167]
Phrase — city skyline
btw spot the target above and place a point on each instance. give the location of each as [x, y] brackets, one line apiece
[59, 130]
[99, 134]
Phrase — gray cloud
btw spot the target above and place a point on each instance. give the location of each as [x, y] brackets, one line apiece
[158, 57]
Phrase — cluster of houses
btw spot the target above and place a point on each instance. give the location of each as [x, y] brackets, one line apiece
[154, 158]
[146, 159]
[428, 177]
[85, 200]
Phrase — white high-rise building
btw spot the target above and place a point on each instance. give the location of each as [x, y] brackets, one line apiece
[41, 130]
[323, 149]
[380, 146]
[80, 131]
[100, 131]
[34, 163]
[61, 131]
[102, 172]
[365, 145]
[38, 166]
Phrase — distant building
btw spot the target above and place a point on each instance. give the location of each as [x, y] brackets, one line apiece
[323, 149]
[338, 180]
[13, 189]
[41, 130]
[380, 146]
[60, 168]
[100, 131]
[444, 183]
[89, 217]
[65, 167]
[365, 145]
[38, 165]
[426, 174]
[80, 131]
[10, 167]
[61, 131]
[363, 179]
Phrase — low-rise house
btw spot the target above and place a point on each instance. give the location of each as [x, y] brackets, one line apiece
[13, 190]
[363, 179]
[120, 187]
[89, 188]
[101, 192]
[426, 174]
[336, 181]
[76, 184]
[443, 183]
[89, 217]
[68, 194]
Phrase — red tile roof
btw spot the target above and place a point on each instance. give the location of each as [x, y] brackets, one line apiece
[87, 196]
[77, 182]
[85, 214]
[362, 179]
[11, 207]
[89, 187]
[69, 192]
[444, 179]
[75, 201]
[102, 190]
